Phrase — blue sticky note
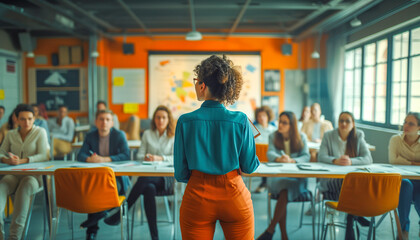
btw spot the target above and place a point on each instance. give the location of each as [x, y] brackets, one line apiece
[250, 68]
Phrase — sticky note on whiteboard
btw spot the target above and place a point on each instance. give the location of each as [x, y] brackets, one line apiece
[1, 94]
[118, 81]
[131, 107]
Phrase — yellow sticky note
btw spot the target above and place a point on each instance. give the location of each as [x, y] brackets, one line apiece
[1, 94]
[131, 107]
[118, 81]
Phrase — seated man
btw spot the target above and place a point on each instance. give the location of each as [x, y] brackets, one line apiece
[40, 121]
[105, 144]
[62, 131]
[101, 105]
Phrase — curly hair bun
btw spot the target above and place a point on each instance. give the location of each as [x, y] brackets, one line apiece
[224, 79]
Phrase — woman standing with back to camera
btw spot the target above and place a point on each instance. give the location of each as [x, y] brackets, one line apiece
[212, 146]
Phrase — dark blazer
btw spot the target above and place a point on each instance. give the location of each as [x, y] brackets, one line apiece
[118, 150]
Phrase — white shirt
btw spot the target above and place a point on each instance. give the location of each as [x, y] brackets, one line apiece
[342, 145]
[65, 131]
[154, 144]
[402, 153]
[287, 147]
[35, 147]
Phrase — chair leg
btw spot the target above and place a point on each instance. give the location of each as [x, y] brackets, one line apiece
[397, 220]
[72, 225]
[301, 215]
[371, 227]
[268, 208]
[168, 211]
[313, 218]
[28, 218]
[55, 228]
[392, 225]
[133, 215]
[122, 221]
[324, 226]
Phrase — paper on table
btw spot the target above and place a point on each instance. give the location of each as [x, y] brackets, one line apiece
[311, 167]
[254, 129]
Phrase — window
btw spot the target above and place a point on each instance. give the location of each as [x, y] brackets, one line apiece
[374, 81]
[380, 88]
[352, 83]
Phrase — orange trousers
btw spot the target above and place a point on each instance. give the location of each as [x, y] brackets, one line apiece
[209, 198]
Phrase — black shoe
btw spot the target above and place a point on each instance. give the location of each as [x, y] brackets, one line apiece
[265, 236]
[90, 236]
[113, 220]
[93, 220]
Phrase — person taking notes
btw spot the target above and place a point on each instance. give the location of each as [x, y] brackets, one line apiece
[25, 144]
[105, 144]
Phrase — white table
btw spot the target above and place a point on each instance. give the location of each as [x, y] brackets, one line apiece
[132, 168]
[316, 146]
[126, 168]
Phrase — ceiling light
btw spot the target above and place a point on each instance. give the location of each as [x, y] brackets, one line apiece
[355, 22]
[193, 36]
[315, 55]
[30, 54]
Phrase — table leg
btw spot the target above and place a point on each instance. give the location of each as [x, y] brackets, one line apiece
[176, 212]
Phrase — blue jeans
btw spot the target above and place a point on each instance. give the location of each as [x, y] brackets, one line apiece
[410, 192]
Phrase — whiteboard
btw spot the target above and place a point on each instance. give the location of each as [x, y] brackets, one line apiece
[128, 85]
[171, 82]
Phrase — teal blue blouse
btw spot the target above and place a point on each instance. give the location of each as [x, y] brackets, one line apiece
[213, 140]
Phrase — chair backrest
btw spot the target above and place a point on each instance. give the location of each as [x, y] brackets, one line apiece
[369, 194]
[86, 190]
[261, 150]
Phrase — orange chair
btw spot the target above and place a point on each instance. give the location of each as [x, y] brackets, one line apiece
[261, 150]
[88, 190]
[368, 195]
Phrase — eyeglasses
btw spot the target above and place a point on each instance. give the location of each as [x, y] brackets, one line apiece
[344, 121]
[411, 124]
[284, 123]
[195, 80]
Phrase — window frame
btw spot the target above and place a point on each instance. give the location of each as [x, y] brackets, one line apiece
[389, 67]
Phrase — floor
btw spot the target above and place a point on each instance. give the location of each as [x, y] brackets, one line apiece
[165, 229]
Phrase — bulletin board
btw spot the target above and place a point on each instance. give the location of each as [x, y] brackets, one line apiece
[171, 82]
[128, 86]
[57, 86]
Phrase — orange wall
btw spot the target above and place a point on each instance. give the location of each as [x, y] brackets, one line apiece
[48, 46]
[111, 56]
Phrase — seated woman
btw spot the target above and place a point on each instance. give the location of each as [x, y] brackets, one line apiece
[11, 123]
[25, 144]
[286, 145]
[157, 145]
[305, 116]
[344, 146]
[315, 127]
[264, 115]
[404, 149]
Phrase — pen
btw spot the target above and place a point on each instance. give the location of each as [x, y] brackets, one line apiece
[25, 169]
[49, 167]
[91, 152]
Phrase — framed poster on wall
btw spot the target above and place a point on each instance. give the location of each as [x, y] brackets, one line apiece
[56, 86]
[272, 80]
[171, 82]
